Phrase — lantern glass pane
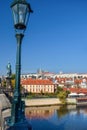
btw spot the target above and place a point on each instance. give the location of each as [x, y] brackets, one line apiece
[22, 13]
[15, 14]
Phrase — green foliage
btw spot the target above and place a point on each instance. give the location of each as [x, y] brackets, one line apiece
[13, 83]
[13, 76]
[4, 83]
[67, 92]
[62, 95]
[59, 89]
[40, 95]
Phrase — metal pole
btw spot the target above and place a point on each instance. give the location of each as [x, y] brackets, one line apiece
[17, 120]
[16, 112]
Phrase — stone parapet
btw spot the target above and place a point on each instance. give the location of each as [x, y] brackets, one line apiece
[4, 102]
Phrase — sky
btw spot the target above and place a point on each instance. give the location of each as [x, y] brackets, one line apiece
[55, 39]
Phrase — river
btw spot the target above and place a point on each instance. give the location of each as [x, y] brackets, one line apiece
[57, 117]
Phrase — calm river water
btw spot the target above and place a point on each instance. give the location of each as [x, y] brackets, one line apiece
[57, 118]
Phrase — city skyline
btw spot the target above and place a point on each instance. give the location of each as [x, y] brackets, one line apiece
[55, 39]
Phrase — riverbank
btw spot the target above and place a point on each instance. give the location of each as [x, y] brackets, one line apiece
[47, 102]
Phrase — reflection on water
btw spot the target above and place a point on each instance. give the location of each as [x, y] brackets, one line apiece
[39, 112]
[46, 112]
[62, 111]
[57, 118]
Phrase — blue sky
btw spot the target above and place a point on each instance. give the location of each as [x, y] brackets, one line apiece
[55, 39]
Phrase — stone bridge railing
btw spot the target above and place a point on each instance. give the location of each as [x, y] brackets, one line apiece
[5, 110]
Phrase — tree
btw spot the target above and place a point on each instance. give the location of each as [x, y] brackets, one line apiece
[62, 95]
[59, 89]
[13, 76]
[4, 83]
[13, 83]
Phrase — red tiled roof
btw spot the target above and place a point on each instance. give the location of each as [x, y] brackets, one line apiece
[77, 81]
[36, 82]
[77, 90]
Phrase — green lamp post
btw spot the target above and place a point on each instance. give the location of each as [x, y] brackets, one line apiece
[21, 11]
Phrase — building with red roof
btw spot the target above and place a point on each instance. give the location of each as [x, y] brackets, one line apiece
[38, 85]
[77, 90]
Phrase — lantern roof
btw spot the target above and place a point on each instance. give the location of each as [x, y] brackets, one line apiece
[22, 2]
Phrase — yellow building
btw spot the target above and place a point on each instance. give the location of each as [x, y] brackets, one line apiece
[38, 85]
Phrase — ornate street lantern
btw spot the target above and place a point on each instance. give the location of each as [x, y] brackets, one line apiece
[21, 12]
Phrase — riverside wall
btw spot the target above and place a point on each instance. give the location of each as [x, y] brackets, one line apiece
[48, 101]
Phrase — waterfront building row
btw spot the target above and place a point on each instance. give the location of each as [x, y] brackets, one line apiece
[50, 85]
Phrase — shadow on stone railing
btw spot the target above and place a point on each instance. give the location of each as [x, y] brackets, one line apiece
[4, 114]
[5, 110]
